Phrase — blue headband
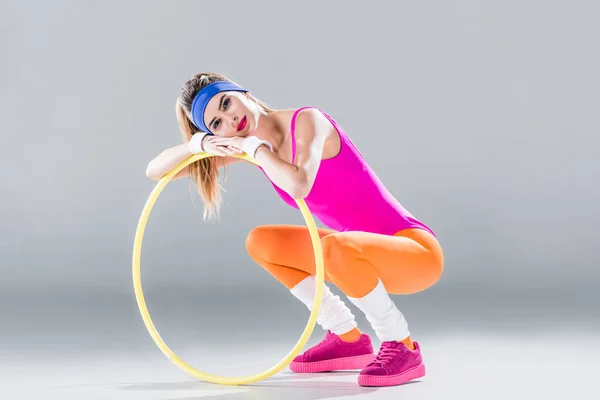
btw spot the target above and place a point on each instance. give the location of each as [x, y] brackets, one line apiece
[204, 96]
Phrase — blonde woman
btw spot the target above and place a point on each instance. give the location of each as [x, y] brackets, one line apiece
[372, 246]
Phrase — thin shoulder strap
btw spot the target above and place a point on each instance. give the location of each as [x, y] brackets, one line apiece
[293, 131]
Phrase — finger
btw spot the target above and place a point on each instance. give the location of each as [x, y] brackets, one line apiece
[213, 141]
[236, 149]
[233, 149]
[227, 149]
[217, 152]
[219, 140]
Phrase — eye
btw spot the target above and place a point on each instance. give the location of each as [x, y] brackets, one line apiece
[216, 124]
[225, 104]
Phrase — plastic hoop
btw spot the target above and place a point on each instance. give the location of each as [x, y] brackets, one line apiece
[137, 284]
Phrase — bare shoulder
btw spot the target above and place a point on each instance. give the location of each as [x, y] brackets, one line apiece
[311, 123]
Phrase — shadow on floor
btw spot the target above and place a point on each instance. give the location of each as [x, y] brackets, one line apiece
[288, 386]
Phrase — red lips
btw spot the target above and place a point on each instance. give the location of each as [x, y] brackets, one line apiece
[242, 124]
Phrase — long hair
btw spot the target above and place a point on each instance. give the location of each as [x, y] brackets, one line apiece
[204, 172]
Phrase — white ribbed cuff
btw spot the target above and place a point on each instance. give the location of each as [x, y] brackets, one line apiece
[252, 143]
[195, 143]
[334, 315]
[385, 318]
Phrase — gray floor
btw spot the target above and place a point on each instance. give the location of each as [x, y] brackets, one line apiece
[95, 346]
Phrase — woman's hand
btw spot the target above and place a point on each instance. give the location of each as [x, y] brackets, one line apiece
[223, 146]
[240, 144]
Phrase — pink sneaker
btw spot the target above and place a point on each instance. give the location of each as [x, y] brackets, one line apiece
[395, 364]
[333, 354]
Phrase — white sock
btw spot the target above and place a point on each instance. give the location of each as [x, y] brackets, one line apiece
[385, 318]
[334, 315]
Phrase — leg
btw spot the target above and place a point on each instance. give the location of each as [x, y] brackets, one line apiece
[366, 267]
[408, 262]
[286, 252]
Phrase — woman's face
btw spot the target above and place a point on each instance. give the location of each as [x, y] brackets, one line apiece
[231, 113]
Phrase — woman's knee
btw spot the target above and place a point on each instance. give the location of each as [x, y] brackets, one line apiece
[257, 243]
[436, 266]
[337, 252]
[416, 280]
[435, 269]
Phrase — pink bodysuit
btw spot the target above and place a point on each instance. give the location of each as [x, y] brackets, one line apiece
[348, 196]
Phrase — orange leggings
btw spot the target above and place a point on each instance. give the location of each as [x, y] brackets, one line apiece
[408, 262]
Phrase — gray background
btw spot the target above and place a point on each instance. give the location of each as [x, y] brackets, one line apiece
[481, 117]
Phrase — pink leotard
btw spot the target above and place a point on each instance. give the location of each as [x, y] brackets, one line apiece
[348, 196]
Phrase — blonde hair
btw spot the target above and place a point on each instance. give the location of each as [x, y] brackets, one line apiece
[205, 172]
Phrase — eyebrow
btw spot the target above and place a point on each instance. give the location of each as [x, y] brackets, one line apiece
[220, 105]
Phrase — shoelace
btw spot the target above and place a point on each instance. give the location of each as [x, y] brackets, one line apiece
[327, 339]
[386, 354]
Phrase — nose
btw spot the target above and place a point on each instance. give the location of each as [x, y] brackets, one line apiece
[234, 122]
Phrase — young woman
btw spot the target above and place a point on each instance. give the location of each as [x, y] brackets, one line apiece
[372, 245]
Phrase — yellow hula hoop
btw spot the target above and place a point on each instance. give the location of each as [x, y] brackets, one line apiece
[137, 284]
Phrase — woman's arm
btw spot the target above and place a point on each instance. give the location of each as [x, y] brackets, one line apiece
[312, 128]
[167, 160]
[171, 157]
[221, 162]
